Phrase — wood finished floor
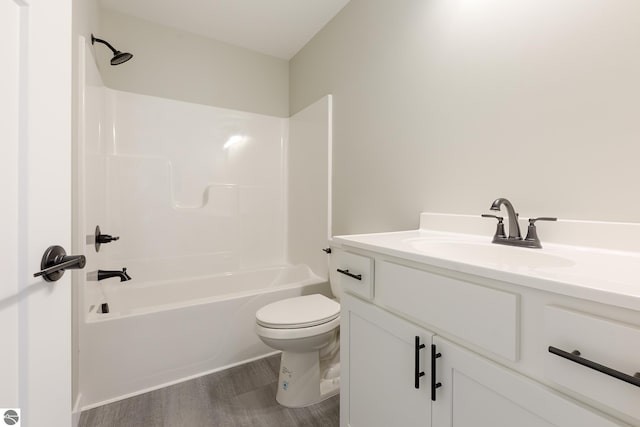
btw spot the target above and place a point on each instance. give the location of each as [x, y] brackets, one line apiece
[240, 396]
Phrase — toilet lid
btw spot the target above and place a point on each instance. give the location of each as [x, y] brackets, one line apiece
[298, 312]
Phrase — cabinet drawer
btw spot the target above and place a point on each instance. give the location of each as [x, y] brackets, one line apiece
[607, 343]
[482, 316]
[353, 272]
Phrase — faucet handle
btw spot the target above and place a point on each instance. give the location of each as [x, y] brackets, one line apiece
[542, 218]
[499, 218]
[532, 233]
[500, 234]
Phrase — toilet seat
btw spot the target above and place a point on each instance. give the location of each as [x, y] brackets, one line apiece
[297, 333]
[298, 312]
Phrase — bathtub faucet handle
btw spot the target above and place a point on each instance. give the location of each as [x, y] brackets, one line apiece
[106, 238]
[101, 239]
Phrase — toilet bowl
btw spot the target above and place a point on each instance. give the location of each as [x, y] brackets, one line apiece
[306, 330]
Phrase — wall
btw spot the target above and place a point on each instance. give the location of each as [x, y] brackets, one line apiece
[445, 105]
[174, 64]
[85, 19]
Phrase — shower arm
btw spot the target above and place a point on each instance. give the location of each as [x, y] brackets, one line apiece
[104, 42]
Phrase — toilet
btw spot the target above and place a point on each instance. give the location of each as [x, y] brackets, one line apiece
[306, 330]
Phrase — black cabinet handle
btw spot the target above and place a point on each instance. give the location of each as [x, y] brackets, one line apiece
[575, 357]
[327, 250]
[346, 272]
[434, 384]
[417, 371]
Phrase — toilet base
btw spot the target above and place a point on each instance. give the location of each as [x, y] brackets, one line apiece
[299, 380]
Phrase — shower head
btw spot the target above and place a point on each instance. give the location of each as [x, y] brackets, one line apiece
[118, 57]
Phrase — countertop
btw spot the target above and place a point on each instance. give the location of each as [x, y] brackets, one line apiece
[602, 275]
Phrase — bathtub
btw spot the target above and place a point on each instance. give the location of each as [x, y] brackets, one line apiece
[150, 338]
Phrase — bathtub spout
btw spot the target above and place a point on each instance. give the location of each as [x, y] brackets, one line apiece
[105, 274]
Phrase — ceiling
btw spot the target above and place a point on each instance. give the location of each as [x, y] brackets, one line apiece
[278, 28]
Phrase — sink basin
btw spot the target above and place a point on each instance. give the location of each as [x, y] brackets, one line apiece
[487, 253]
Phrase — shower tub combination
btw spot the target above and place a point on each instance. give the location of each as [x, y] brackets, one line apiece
[211, 229]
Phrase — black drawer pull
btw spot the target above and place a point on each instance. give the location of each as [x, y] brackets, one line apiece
[575, 357]
[434, 384]
[355, 276]
[417, 371]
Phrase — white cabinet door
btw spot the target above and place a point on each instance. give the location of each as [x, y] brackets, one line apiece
[378, 369]
[476, 392]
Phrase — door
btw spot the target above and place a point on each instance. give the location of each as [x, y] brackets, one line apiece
[476, 392]
[35, 174]
[378, 369]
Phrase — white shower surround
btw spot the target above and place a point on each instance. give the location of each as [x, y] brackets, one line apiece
[192, 180]
[199, 196]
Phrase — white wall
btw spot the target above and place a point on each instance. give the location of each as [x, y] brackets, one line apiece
[174, 64]
[445, 105]
[85, 18]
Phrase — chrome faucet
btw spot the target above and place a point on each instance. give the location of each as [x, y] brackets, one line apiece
[515, 238]
[106, 274]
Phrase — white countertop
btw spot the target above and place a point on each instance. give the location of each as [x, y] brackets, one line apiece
[598, 274]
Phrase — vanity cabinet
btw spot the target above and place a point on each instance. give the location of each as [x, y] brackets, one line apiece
[353, 273]
[378, 355]
[477, 392]
[479, 315]
[490, 367]
[614, 346]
